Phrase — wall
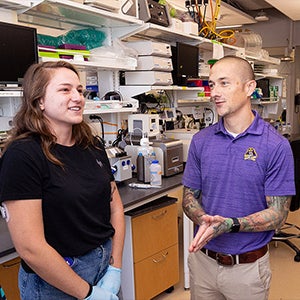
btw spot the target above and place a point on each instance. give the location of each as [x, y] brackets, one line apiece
[278, 37]
[279, 24]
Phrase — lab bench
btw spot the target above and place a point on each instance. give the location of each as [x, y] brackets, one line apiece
[133, 197]
[151, 249]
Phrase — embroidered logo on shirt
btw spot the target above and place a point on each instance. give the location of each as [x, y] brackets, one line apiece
[250, 154]
[99, 162]
[4, 212]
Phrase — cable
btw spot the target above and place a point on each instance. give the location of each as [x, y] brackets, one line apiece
[95, 117]
[209, 30]
[193, 4]
[121, 133]
[213, 114]
[112, 94]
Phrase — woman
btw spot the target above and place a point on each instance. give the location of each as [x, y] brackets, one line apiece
[63, 209]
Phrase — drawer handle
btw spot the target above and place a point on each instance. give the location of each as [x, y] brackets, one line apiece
[155, 217]
[163, 257]
[7, 266]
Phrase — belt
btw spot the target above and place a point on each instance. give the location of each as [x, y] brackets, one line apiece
[231, 259]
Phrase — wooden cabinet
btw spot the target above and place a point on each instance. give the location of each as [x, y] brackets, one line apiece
[151, 248]
[156, 273]
[9, 278]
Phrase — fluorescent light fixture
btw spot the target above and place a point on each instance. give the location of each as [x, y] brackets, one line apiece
[261, 16]
[229, 26]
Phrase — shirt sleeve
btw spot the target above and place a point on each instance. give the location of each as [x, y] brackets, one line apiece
[192, 171]
[20, 175]
[280, 174]
[105, 160]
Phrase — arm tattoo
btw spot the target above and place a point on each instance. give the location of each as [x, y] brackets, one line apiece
[192, 204]
[271, 218]
[222, 227]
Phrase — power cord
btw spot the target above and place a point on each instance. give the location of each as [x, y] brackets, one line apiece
[96, 117]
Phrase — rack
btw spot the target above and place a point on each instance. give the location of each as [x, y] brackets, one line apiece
[65, 14]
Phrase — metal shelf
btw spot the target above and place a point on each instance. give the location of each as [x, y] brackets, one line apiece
[16, 5]
[65, 14]
[263, 60]
[264, 101]
[108, 111]
[133, 90]
[170, 35]
[265, 75]
[105, 64]
[11, 93]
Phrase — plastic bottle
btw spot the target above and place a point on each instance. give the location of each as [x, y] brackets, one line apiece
[140, 167]
[148, 155]
[155, 173]
[145, 147]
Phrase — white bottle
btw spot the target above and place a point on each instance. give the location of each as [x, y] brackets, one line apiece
[148, 155]
[155, 173]
[145, 147]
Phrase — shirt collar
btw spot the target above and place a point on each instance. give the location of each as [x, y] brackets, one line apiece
[255, 127]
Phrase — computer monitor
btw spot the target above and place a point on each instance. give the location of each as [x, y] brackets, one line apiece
[185, 59]
[18, 50]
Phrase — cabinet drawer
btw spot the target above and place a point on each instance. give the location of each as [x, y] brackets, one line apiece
[154, 231]
[157, 273]
[9, 278]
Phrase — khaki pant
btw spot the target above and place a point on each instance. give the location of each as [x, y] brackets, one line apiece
[211, 281]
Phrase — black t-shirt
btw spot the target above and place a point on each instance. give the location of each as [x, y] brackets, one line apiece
[75, 199]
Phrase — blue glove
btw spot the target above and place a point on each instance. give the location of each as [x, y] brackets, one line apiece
[111, 281]
[101, 294]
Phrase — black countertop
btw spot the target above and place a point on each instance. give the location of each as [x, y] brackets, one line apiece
[133, 197]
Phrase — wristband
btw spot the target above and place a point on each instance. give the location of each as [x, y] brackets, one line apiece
[235, 227]
[89, 292]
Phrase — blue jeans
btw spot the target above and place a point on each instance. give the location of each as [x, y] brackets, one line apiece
[91, 267]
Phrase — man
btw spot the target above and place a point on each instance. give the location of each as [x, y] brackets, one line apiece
[238, 182]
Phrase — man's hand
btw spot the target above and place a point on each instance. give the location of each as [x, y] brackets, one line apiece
[210, 227]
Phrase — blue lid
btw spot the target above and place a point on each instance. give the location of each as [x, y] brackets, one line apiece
[155, 161]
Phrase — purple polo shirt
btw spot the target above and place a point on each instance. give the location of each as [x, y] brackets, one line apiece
[236, 174]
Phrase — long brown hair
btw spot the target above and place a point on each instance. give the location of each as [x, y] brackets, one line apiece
[30, 121]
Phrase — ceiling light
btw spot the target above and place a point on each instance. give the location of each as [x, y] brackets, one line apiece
[288, 56]
[261, 16]
[229, 26]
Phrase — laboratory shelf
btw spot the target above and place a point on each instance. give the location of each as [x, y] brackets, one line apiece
[11, 93]
[106, 63]
[63, 14]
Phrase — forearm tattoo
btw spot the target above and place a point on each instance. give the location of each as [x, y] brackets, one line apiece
[222, 227]
[271, 218]
[191, 204]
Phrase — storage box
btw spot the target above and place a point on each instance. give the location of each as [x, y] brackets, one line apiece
[154, 63]
[190, 28]
[148, 78]
[151, 48]
[176, 25]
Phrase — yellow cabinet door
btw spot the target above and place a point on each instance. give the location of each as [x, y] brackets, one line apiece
[9, 278]
[154, 231]
[156, 274]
